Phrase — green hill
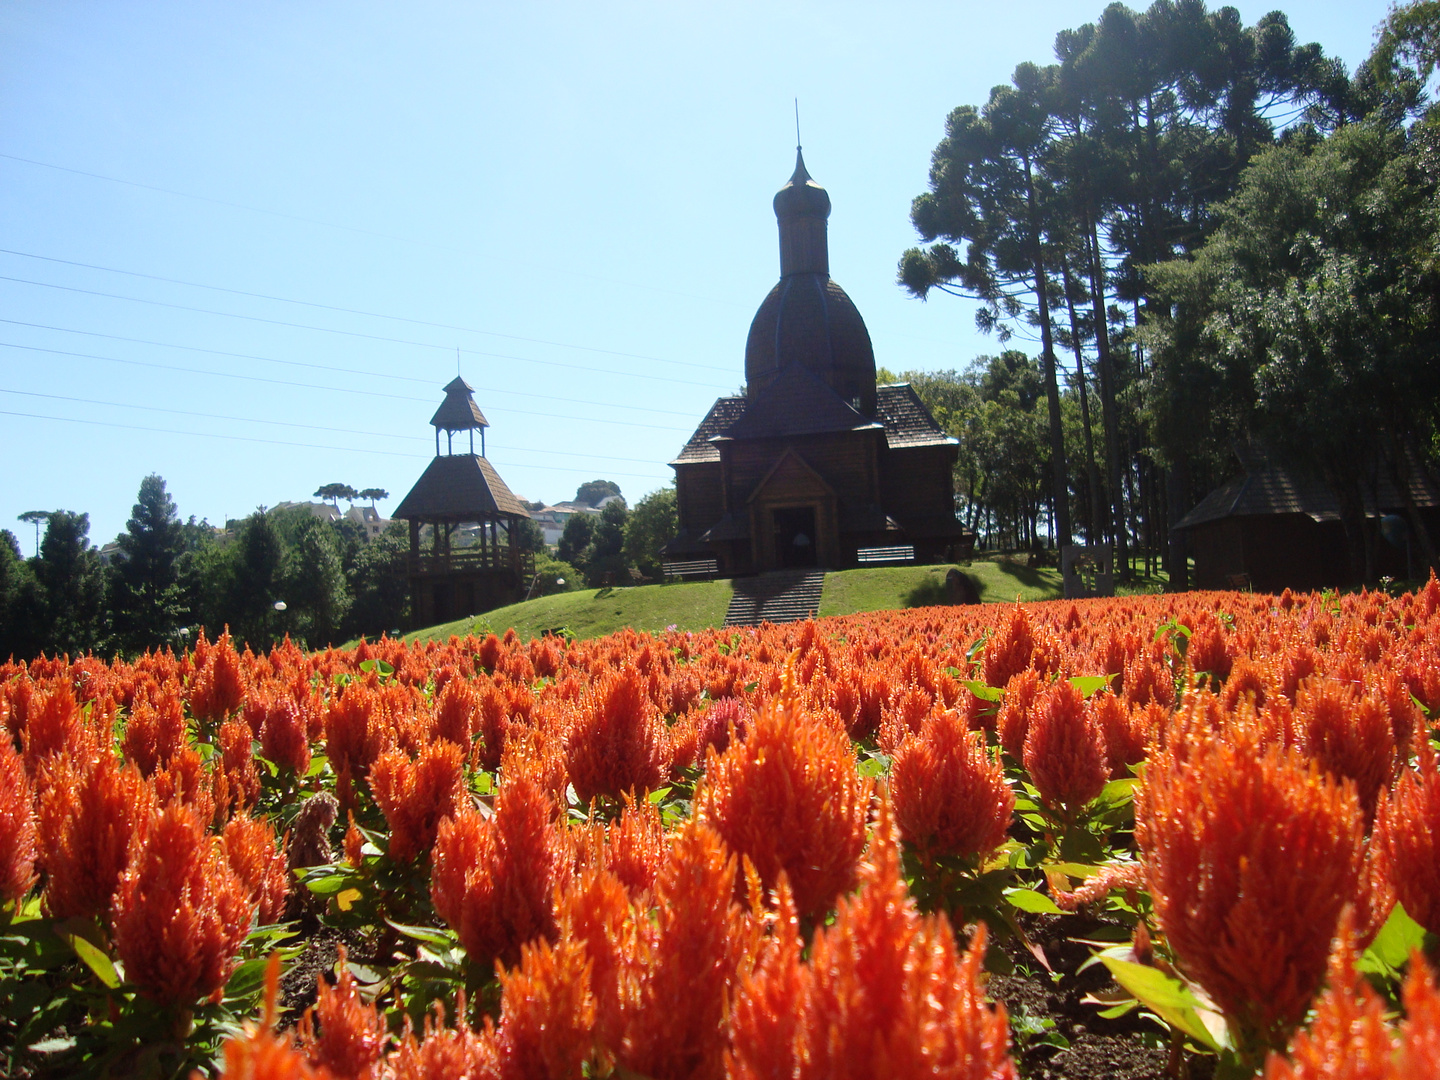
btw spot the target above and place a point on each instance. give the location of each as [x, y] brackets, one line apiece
[698, 605]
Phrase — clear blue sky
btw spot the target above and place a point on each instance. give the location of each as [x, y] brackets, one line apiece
[574, 195]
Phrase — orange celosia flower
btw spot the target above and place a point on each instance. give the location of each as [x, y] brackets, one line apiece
[53, 725]
[237, 761]
[352, 1034]
[181, 913]
[89, 813]
[1348, 735]
[218, 686]
[788, 797]
[1125, 729]
[155, 729]
[457, 712]
[1012, 723]
[252, 853]
[493, 881]
[456, 1053]
[772, 1004]
[354, 844]
[415, 796]
[1007, 653]
[260, 1054]
[595, 909]
[884, 994]
[690, 965]
[1420, 1031]
[1407, 833]
[949, 797]
[17, 826]
[284, 738]
[547, 1013]
[1250, 854]
[1065, 751]
[617, 741]
[633, 847]
[1348, 1038]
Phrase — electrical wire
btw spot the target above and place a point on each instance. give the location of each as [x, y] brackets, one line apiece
[313, 386]
[291, 424]
[357, 311]
[333, 368]
[273, 442]
[354, 333]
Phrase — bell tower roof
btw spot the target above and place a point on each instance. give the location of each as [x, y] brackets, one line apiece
[458, 412]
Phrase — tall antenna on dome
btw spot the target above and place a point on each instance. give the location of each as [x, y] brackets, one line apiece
[797, 123]
[457, 361]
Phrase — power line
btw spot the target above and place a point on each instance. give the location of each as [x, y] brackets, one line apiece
[357, 311]
[271, 442]
[353, 333]
[330, 367]
[291, 424]
[313, 386]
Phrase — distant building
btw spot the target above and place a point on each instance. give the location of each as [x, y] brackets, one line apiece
[1277, 527]
[814, 465]
[368, 519]
[322, 510]
[462, 494]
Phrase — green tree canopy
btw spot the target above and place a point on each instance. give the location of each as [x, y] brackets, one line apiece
[651, 525]
[72, 586]
[147, 601]
[593, 492]
[576, 539]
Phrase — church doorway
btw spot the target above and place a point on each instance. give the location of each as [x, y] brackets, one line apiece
[795, 536]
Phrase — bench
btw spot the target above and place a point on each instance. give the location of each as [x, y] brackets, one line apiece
[679, 569]
[894, 553]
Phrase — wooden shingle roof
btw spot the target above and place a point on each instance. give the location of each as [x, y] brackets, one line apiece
[796, 403]
[1274, 489]
[459, 487]
[907, 421]
[458, 412]
[722, 414]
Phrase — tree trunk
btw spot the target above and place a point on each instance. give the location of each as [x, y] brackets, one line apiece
[1107, 402]
[1094, 531]
[1061, 475]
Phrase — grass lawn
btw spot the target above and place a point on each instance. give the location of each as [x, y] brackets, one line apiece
[690, 605]
[697, 605]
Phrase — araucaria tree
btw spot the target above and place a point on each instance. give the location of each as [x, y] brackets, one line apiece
[147, 602]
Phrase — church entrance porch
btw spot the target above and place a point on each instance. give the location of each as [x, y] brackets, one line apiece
[795, 539]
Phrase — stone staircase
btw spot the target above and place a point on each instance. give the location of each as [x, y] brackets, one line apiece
[779, 596]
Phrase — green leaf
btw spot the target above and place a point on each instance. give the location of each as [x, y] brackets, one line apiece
[1393, 944]
[248, 978]
[52, 1046]
[1090, 684]
[658, 795]
[1030, 900]
[981, 691]
[442, 939]
[1117, 792]
[95, 960]
[1168, 998]
[327, 882]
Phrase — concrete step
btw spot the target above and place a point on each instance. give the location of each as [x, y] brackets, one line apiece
[779, 596]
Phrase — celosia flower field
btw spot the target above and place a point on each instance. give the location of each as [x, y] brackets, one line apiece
[794, 851]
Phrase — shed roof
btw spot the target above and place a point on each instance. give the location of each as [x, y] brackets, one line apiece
[1274, 489]
[459, 487]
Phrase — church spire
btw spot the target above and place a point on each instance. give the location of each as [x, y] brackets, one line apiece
[801, 209]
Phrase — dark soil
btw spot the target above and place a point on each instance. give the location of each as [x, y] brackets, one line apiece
[1129, 1047]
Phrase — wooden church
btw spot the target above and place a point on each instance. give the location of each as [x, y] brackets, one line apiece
[814, 465]
[460, 497]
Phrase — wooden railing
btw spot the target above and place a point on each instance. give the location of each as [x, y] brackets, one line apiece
[471, 560]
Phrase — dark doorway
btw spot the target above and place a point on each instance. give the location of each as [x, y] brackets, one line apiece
[795, 536]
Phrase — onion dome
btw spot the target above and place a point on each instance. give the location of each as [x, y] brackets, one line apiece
[807, 319]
